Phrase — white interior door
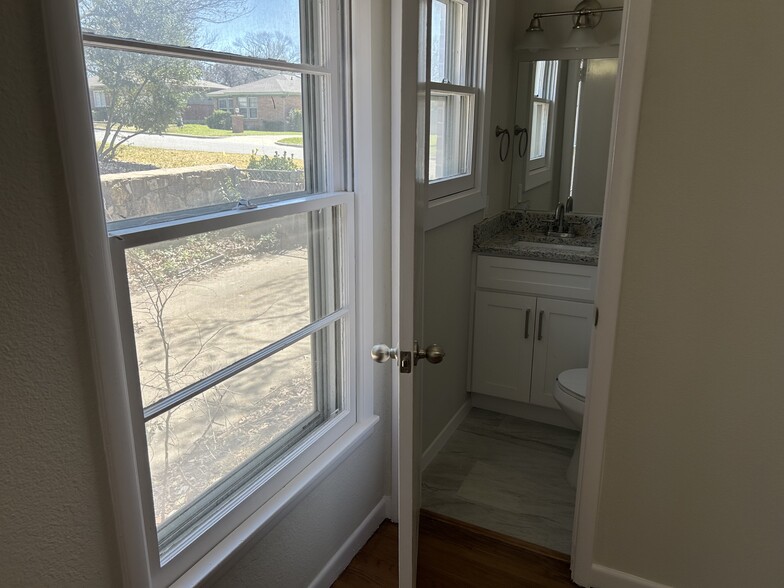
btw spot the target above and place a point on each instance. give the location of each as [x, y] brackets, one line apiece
[408, 172]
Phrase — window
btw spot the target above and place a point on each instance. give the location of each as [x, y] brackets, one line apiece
[226, 104]
[233, 264]
[452, 96]
[249, 106]
[99, 99]
[544, 96]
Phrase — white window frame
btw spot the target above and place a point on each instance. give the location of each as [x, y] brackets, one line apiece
[443, 187]
[226, 101]
[310, 462]
[539, 171]
[246, 110]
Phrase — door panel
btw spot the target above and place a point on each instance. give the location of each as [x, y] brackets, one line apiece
[563, 339]
[408, 171]
[503, 346]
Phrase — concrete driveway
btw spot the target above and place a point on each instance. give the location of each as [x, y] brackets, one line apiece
[239, 144]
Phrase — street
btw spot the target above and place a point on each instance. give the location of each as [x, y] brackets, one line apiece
[239, 144]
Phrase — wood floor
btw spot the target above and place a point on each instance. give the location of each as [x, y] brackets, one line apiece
[453, 554]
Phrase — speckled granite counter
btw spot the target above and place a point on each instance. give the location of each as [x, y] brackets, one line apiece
[524, 235]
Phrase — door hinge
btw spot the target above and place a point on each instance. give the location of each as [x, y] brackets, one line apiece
[595, 316]
[405, 362]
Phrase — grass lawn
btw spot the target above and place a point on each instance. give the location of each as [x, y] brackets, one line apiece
[194, 130]
[291, 141]
[171, 158]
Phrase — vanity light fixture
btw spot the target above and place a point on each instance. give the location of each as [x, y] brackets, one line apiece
[585, 18]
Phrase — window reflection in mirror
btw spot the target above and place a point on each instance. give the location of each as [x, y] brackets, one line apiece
[563, 115]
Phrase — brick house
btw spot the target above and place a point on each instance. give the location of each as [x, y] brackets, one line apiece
[198, 108]
[266, 104]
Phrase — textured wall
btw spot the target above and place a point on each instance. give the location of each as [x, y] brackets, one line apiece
[296, 550]
[694, 475]
[55, 514]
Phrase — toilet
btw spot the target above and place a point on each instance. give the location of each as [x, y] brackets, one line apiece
[569, 393]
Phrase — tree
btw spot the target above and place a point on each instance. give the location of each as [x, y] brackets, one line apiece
[267, 45]
[146, 93]
[261, 44]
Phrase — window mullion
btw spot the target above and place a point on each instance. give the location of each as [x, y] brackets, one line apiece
[224, 374]
[123, 44]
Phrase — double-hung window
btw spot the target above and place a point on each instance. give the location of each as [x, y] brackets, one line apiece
[544, 97]
[452, 97]
[233, 265]
[249, 106]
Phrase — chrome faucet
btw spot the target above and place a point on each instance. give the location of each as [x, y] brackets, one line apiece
[558, 221]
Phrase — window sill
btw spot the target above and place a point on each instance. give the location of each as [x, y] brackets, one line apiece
[278, 506]
[450, 208]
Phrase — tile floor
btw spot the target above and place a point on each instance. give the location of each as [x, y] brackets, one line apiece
[508, 475]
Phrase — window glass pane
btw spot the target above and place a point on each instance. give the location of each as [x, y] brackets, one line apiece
[201, 303]
[204, 450]
[539, 127]
[269, 29]
[451, 134]
[449, 41]
[178, 135]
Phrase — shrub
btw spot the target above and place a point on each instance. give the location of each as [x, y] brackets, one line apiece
[219, 119]
[294, 119]
[272, 125]
[276, 162]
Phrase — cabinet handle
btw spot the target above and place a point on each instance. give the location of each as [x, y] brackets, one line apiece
[541, 322]
[527, 320]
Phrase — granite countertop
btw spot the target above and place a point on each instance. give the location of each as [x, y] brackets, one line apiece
[524, 235]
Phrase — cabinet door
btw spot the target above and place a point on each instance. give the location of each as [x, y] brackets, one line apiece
[563, 340]
[503, 345]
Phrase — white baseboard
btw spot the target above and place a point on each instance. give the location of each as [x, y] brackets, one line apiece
[610, 578]
[351, 547]
[441, 439]
[523, 410]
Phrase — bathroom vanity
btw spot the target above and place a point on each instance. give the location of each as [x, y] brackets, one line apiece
[533, 310]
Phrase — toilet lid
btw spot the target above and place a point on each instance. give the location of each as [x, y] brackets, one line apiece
[574, 382]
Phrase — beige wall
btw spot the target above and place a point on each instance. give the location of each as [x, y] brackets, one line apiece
[56, 524]
[446, 315]
[694, 475]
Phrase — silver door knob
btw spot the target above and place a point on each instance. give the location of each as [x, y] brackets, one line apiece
[382, 353]
[433, 353]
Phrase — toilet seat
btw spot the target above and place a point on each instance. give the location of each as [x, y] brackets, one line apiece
[573, 382]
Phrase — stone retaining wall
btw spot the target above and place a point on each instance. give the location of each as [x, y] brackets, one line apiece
[147, 193]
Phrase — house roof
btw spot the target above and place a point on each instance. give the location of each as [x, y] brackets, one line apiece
[277, 85]
[95, 83]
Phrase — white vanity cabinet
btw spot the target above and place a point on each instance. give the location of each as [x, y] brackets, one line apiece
[532, 320]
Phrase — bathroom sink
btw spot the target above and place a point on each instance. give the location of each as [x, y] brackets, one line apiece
[555, 246]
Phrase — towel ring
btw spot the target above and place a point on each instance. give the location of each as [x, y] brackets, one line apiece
[522, 146]
[503, 153]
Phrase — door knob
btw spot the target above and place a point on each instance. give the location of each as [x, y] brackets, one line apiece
[433, 353]
[382, 353]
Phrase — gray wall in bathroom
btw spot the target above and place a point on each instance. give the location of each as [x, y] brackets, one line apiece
[448, 264]
[693, 475]
[502, 104]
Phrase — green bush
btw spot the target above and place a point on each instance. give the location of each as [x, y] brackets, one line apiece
[219, 119]
[276, 162]
[272, 125]
[294, 119]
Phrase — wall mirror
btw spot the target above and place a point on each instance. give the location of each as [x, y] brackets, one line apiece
[561, 136]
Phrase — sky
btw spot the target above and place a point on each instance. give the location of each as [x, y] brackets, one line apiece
[264, 15]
